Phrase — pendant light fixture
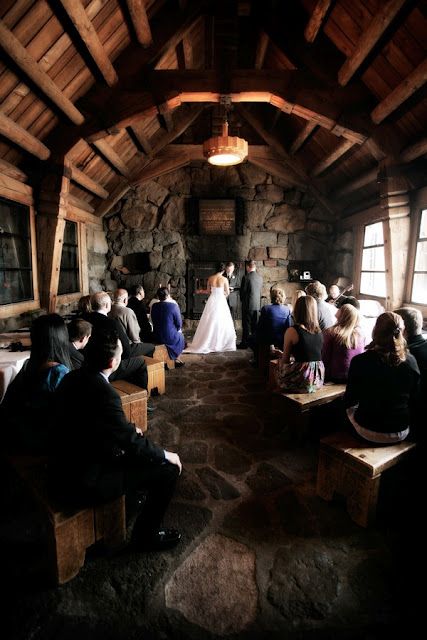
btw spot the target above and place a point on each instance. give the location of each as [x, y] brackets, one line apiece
[225, 150]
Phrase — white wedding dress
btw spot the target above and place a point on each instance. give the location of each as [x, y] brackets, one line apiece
[215, 331]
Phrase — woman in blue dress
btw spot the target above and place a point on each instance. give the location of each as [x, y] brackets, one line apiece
[167, 325]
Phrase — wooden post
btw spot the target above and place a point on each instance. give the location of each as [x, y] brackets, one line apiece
[51, 210]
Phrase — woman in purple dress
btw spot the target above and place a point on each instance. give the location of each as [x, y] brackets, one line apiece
[167, 325]
[341, 343]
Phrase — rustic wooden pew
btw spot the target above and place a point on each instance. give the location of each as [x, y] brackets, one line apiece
[156, 376]
[297, 406]
[350, 467]
[72, 531]
[134, 402]
[161, 353]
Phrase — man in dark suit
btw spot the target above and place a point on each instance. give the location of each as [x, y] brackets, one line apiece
[142, 312]
[97, 455]
[250, 295]
[79, 332]
[234, 284]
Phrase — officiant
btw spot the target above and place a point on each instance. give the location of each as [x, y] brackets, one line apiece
[234, 284]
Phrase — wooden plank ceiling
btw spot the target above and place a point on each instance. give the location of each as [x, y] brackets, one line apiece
[322, 90]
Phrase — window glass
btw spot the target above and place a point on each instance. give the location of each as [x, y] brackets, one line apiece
[69, 274]
[419, 289]
[372, 277]
[419, 282]
[16, 275]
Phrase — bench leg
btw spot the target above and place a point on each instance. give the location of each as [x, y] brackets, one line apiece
[327, 476]
[110, 523]
[68, 543]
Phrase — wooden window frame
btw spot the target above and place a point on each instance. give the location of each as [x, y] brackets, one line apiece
[419, 204]
[359, 232]
[23, 194]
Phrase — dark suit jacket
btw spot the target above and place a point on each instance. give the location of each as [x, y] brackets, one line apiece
[76, 356]
[93, 442]
[234, 282]
[250, 291]
[100, 322]
[141, 311]
[272, 324]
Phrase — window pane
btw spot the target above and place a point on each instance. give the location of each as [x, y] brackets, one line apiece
[69, 273]
[373, 284]
[373, 234]
[419, 288]
[421, 257]
[373, 259]
[16, 277]
[423, 225]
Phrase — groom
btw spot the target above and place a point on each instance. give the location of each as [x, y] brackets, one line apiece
[234, 284]
[250, 295]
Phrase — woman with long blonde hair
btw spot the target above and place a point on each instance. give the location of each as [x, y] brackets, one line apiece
[300, 368]
[341, 343]
[383, 384]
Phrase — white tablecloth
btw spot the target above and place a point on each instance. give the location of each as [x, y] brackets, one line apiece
[10, 364]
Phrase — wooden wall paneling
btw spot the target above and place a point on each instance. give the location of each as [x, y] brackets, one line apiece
[12, 10]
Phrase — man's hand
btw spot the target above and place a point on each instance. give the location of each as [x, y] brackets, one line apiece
[173, 458]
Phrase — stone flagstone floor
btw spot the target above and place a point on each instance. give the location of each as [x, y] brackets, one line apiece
[261, 554]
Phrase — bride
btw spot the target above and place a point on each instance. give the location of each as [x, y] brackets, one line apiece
[215, 331]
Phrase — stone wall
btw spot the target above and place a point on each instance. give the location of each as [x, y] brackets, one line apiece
[152, 236]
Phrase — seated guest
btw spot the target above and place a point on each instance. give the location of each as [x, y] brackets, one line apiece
[299, 293]
[84, 306]
[156, 300]
[127, 317]
[79, 332]
[132, 367]
[333, 293]
[348, 300]
[326, 312]
[142, 312]
[274, 319]
[97, 454]
[341, 343]
[167, 325]
[300, 368]
[382, 384]
[26, 413]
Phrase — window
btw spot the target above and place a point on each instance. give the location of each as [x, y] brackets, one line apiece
[419, 281]
[372, 281]
[69, 281]
[16, 272]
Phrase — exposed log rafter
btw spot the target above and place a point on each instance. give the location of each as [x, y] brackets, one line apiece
[303, 135]
[369, 38]
[78, 16]
[112, 156]
[15, 133]
[140, 22]
[83, 180]
[332, 157]
[31, 68]
[317, 20]
[401, 93]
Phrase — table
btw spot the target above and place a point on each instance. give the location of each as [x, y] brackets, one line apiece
[10, 365]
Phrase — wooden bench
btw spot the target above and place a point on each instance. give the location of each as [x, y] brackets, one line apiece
[161, 353]
[70, 532]
[297, 405]
[350, 467]
[156, 376]
[134, 402]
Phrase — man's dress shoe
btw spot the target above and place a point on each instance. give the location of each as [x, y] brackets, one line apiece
[159, 540]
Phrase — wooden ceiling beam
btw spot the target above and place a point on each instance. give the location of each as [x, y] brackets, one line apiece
[303, 135]
[31, 68]
[78, 16]
[78, 203]
[261, 50]
[332, 157]
[273, 166]
[116, 194]
[369, 38]
[415, 150]
[113, 158]
[414, 81]
[15, 133]
[11, 171]
[165, 117]
[159, 166]
[182, 122]
[83, 180]
[317, 20]
[141, 138]
[140, 22]
[363, 179]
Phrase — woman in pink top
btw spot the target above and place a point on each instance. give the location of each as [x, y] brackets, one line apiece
[341, 342]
